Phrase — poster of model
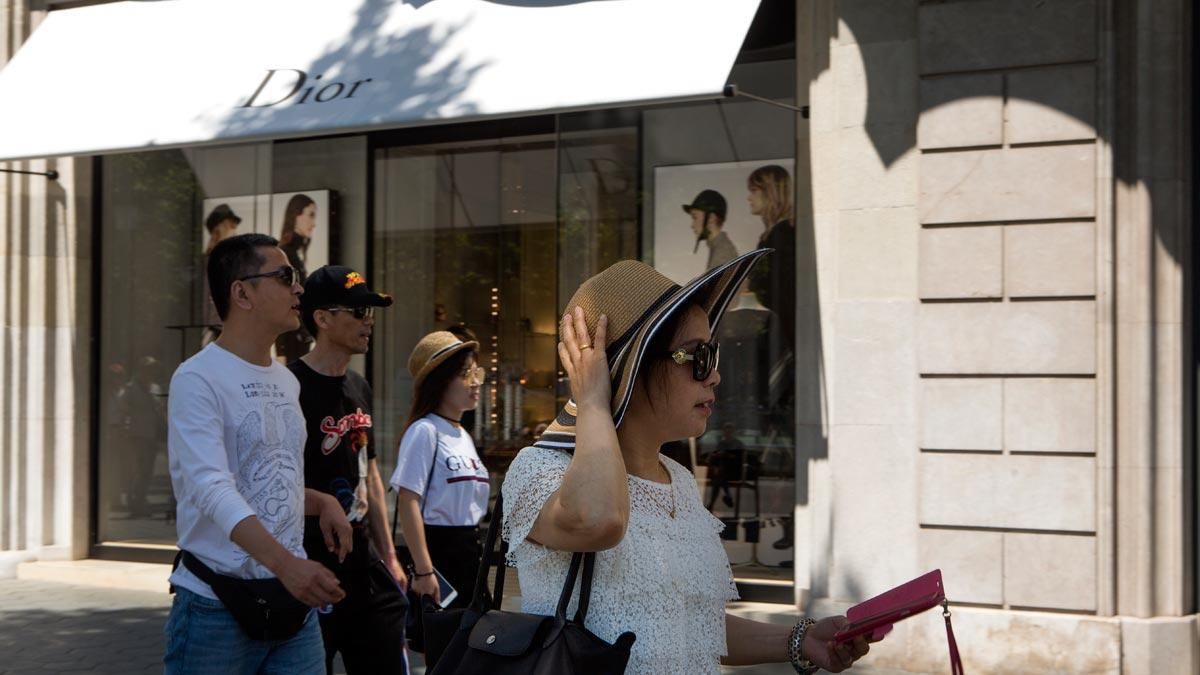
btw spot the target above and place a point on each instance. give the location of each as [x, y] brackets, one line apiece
[299, 220]
[704, 215]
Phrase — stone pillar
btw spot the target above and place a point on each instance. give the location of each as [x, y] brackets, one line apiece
[1154, 483]
[45, 347]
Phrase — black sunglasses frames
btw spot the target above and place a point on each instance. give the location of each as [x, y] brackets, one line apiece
[360, 313]
[286, 274]
[704, 359]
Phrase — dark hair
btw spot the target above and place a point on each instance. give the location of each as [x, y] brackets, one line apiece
[656, 365]
[230, 260]
[295, 207]
[433, 387]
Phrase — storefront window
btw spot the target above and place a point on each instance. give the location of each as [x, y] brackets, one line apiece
[162, 212]
[471, 237]
[483, 230]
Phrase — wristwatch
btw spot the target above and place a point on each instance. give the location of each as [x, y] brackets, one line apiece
[795, 642]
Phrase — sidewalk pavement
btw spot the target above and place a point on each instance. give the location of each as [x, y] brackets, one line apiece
[48, 627]
[51, 627]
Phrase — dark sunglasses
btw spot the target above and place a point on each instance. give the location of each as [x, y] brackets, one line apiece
[704, 359]
[360, 313]
[286, 274]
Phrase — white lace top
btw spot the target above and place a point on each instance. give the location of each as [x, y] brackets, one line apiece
[667, 581]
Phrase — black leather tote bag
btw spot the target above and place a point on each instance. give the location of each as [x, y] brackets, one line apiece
[483, 639]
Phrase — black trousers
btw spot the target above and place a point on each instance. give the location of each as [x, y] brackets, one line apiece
[367, 626]
[455, 552]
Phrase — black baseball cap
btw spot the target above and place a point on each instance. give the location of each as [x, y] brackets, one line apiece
[339, 286]
[220, 215]
[708, 201]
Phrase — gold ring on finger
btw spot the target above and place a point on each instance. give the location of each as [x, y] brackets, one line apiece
[585, 347]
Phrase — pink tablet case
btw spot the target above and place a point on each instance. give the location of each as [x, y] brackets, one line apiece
[876, 616]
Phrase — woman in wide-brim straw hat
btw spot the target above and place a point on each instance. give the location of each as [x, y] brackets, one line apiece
[642, 362]
[441, 484]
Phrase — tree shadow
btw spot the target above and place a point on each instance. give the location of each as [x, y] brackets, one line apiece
[394, 63]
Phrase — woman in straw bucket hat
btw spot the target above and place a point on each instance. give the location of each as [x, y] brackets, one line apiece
[642, 363]
[441, 484]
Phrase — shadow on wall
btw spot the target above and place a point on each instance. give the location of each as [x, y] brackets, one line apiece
[998, 62]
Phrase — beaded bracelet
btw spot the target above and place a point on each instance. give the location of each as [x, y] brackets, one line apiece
[795, 655]
[419, 574]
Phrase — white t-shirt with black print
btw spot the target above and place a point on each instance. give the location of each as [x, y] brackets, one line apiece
[454, 488]
[235, 445]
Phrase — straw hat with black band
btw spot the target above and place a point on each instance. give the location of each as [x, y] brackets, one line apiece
[433, 350]
[638, 300]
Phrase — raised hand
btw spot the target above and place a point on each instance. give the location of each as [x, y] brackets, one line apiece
[584, 359]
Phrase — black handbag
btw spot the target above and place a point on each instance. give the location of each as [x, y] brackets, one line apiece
[484, 639]
[262, 607]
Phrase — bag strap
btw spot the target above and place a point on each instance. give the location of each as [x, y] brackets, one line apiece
[585, 591]
[564, 598]
[195, 566]
[428, 483]
[956, 667]
[485, 561]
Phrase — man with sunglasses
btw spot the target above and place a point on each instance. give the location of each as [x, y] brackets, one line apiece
[367, 627]
[235, 443]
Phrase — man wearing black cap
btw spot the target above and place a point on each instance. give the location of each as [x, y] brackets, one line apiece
[367, 627]
[708, 211]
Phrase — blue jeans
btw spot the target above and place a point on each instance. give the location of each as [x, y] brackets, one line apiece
[203, 638]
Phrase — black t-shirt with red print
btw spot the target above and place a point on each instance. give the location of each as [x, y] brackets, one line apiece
[337, 414]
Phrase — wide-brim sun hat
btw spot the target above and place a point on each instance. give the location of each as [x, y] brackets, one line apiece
[639, 300]
[432, 351]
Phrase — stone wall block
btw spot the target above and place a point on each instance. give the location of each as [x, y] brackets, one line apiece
[876, 83]
[1030, 183]
[985, 34]
[961, 110]
[873, 355]
[1049, 260]
[868, 21]
[877, 254]
[972, 559]
[1050, 415]
[962, 262]
[1008, 338]
[880, 515]
[1050, 571]
[1008, 491]
[1051, 104]
[865, 179]
[962, 414]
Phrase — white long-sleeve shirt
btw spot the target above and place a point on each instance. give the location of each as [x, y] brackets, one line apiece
[236, 447]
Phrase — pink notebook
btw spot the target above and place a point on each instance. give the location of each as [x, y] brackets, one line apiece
[875, 617]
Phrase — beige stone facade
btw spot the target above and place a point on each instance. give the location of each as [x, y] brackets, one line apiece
[1000, 207]
[995, 241]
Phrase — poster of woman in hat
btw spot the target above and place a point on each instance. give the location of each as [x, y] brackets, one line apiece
[301, 221]
[716, 222]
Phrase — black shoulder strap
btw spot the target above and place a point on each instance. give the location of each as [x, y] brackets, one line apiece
[428, 483]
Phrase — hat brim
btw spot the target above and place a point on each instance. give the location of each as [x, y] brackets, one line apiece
[712, 290]
[378, 300]
[438, 359]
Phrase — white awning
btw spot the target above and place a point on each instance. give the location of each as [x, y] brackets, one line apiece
[164, 73]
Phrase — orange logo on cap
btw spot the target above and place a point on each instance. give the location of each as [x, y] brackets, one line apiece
[353, 279]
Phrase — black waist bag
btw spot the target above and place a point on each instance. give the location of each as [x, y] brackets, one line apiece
[483, 640]
[262, 607]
